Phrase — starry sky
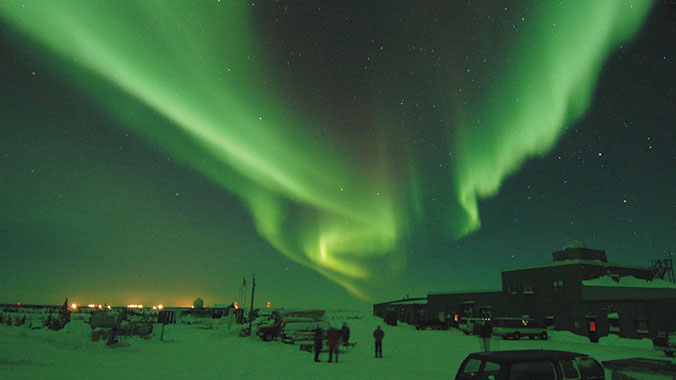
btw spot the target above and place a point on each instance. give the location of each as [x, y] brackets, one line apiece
[343, 152]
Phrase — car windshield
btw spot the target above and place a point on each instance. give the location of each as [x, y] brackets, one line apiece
[540, 370]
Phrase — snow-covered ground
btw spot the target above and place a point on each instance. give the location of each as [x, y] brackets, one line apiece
[209, 350]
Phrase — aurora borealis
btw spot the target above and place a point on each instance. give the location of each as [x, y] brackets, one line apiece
[163, 151]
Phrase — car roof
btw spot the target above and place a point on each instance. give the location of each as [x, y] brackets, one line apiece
[525, 355]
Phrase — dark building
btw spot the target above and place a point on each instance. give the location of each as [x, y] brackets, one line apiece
[578, 291]
[408, 310]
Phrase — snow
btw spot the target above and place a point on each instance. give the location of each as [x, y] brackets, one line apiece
[628, 281]
[207, 349]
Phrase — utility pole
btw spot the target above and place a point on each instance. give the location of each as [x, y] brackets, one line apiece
[253, 289]
[670, 267]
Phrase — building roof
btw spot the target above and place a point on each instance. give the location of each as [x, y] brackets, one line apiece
[577, 262]
[466, 292]
[406, 301]
[628, 281]
[410, 301]
[610, 293]
[626, 288]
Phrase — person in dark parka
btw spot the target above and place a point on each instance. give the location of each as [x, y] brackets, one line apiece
[319, 336]
[485, 333]
[345, 334]
[379, 334]
[333, 337]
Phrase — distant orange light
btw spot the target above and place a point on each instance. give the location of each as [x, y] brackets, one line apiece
[73, 306]
[236, 306]
[268, 303]
[160, 306]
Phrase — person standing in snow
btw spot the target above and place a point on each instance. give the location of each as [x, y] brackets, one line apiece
[333, 338]
[319, 335]
[379, 334]
[485, 333]
[345, 334]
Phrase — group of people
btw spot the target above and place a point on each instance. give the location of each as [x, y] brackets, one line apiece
[335, 336]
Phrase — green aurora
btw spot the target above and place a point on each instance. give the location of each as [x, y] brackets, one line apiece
[217, 108]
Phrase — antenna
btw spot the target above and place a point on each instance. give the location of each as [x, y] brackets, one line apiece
[664, 268]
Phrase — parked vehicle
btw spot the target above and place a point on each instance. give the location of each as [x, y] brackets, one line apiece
[470, 325]
[269, 330]
[515, 328]
[301, 329]
[530, 365]
[434, 324]
[665, 341]
[640, 368]
[289, 328]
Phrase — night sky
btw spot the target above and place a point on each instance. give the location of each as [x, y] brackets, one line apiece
[344, 152]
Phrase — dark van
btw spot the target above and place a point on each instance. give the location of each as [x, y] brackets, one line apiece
[529, 365]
